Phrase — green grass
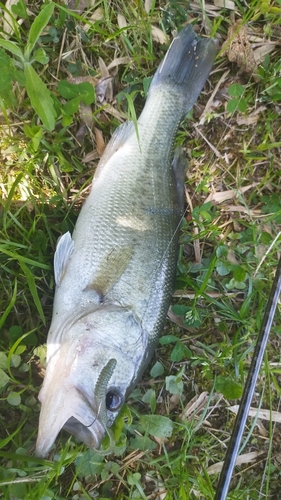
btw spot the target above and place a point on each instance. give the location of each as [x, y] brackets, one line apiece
[229, 252]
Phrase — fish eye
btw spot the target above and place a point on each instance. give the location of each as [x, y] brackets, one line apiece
[113, 400]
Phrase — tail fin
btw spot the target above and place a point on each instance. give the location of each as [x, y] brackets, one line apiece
[186, 66]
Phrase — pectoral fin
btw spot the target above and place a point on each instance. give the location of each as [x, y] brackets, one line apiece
[65, 247]
[111, 269]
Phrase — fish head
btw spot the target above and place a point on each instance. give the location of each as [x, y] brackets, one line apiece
[91, 370]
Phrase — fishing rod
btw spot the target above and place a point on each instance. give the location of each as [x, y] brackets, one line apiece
[240, 421]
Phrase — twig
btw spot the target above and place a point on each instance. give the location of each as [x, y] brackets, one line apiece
[60, 54]
[217, 153]
[210, 101]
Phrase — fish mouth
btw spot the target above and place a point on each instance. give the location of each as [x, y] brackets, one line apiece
[70, 411]
[91, 435]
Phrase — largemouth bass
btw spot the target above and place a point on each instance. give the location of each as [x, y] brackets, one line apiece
[115, 275]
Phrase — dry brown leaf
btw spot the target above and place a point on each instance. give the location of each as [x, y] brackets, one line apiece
[260, 52]
[81, 133]
[103, 86]
[251, 118]
[271, 416]
[210, 9]
[80, 79]
[147, 5]
[119, 60]
[93, 155]
[79, 6]
[162, 495]
[160, 441]
[266, 228]
[114, 112]
[121, 20]
[173, 402]
[8, 26]
[104, 90]
[194, 406]
[184, 294]
[100, 144]
[242, 459]
[158, 487]
[103, 68]
[158, 35]
[177, 319]
[262, 430]
[231, 256]
[242, 209]
[97, 15]
[86, 115]
[230, 194]
[260, 251]
[225, 4]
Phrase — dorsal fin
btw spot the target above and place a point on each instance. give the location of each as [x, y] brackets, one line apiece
[65, 247]
[119, 136]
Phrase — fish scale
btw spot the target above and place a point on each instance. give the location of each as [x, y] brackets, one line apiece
[115, 275]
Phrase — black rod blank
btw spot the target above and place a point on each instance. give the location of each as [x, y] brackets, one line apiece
[240, 421]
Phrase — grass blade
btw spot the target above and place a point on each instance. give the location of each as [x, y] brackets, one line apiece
[10, 305]
[22, 259]
[9, 199]
[32, 287]
[40, 97]
[37, 27]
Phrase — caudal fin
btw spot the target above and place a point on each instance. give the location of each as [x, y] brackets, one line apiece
[186, 66]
